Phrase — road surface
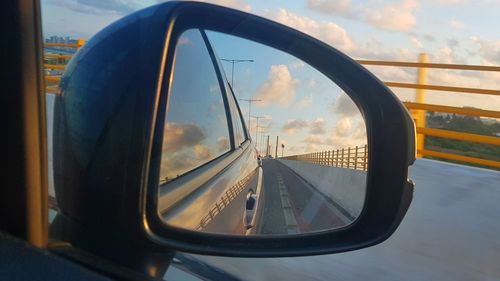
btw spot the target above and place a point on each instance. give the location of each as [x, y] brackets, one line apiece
[451, 232]
[292, 205]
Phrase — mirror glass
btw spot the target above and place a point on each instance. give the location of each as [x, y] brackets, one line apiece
[257, 142]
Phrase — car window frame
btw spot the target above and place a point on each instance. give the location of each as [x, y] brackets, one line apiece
[230, 95]
[230, 129]
[174, 191]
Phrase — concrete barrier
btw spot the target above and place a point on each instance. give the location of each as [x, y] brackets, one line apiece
[345, 187]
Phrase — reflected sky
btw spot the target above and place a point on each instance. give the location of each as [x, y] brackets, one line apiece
[196, 130]
[299, 104]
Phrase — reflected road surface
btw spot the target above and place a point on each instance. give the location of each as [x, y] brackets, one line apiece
[451, 232]
[292, 205]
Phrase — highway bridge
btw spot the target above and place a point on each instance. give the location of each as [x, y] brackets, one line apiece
[451, 232]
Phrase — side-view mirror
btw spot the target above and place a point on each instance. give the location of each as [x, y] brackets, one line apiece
[151, 145]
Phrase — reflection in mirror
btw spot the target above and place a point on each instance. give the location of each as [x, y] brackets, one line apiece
[275, 148]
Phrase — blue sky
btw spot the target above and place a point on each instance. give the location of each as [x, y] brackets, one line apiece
[450, 31]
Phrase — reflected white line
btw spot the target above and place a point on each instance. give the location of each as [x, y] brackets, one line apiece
[290, 220]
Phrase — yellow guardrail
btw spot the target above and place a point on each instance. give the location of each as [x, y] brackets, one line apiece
[452, 109]
[419, 108]
[351, 158]
[52, 81]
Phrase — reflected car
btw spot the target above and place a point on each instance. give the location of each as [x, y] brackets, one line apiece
[208, 160]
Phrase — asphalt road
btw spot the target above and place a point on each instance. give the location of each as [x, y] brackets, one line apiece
[292, 205]
[451, 232]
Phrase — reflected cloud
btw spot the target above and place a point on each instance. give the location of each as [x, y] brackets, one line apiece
[305, 102]
[293, 126]
[222, 144]
[313, 139]
[343, 127]
[177, 137]
[183, 149]
[184, 40]
[278, 89]
[318, 127]
[202, 152]
[345, 106]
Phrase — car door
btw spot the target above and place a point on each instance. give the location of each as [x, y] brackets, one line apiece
[208, 163]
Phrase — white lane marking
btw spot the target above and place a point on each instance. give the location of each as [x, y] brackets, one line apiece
[290, 220]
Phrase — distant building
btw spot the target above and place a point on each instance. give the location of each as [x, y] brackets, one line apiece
[489, 121]
[60, 40]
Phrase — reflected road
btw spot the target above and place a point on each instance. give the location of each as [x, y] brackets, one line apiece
[292, 205]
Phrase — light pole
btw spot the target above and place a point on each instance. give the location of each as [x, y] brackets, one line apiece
[261, 139]
[257, 129]
[268, 147]
[282, 148]
[233, 61]
[249, 108]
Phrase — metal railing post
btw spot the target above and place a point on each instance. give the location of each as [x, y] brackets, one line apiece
[342, 161]
[348, 157]
[419, 115]
[356, 158]
[364, 158]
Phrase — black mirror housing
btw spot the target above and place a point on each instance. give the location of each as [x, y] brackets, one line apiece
[108, 136]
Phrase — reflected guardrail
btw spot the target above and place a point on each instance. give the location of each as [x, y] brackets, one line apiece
[351, 158]
[226, 198]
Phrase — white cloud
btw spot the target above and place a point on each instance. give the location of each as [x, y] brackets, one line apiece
[345, 106]
[329, 32]
[278, 89]
[235, 4]
[305, 102]
[455, 24]
[448, 2]
[393, 73]
[446, 55]
[98, 7]
[416, 43]
[489, 50]
[336, 36]
[394, 17]
[339, 7]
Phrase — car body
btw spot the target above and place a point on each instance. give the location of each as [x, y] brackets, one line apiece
[110, 120]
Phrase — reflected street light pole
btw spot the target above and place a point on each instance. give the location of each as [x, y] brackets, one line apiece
[257, 129]
[261, 139]
[249, 108]
[233, 61]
